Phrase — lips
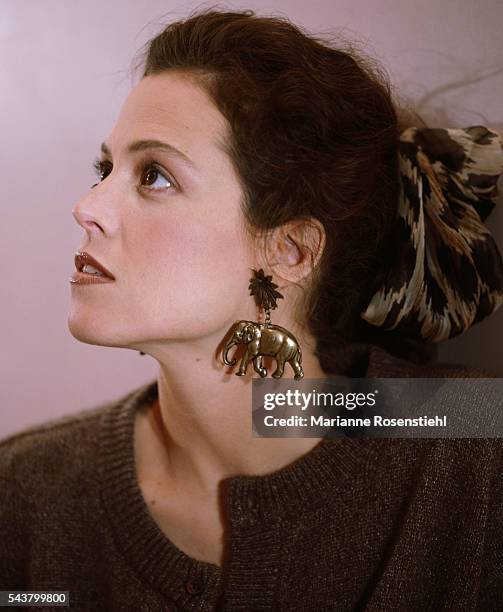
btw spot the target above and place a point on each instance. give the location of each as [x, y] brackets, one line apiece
[82, 258]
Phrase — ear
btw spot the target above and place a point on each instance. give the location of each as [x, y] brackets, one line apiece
[248, 333]
[295, 248]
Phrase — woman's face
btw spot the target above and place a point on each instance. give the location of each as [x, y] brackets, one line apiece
[171, 231]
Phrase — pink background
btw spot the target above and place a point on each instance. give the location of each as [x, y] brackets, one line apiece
[63, 77]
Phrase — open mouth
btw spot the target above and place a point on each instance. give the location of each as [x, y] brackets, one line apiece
[85, 263]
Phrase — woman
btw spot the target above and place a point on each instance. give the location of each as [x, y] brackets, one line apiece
[249, 145]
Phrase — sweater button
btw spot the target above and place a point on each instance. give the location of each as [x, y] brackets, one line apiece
[194, 587]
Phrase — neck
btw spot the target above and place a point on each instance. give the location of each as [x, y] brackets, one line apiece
[199, 430]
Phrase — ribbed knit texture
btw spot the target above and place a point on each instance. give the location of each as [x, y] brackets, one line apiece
[377, 525]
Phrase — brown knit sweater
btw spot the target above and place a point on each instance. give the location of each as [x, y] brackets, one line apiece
[355, 524]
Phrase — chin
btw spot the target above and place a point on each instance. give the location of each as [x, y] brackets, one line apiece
[88, 330]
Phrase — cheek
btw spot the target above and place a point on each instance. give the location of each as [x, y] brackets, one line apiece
[184, 248]
[184, 267]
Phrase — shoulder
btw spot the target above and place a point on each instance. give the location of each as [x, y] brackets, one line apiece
[461, 456]
[384, 363]
[48, 488]
[57, 450]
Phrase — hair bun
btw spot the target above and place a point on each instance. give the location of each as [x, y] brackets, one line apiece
[447, 273]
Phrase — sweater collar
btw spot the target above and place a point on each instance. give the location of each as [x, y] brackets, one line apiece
[253, 502]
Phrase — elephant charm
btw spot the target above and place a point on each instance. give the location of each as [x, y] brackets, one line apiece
[265, 339]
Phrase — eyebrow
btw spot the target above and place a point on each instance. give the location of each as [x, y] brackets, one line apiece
[142, 145]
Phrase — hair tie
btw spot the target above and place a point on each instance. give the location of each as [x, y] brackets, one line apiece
[447, 273]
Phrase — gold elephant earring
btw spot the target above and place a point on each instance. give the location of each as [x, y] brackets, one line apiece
[265, 339]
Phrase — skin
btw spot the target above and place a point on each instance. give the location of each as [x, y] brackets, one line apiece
[179, 250]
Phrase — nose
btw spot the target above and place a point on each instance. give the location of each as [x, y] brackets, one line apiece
[89, 224]
[90, 216]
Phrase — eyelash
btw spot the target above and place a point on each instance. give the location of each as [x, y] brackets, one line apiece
[101, 166]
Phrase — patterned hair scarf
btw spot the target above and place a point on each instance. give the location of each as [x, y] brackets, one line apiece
[448, 272]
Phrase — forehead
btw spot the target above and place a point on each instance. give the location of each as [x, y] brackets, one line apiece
[173, 107]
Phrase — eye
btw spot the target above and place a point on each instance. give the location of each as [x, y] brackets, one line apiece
[150, 174]
[101, 169]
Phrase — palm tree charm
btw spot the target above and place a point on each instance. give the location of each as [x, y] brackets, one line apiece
[264, 290]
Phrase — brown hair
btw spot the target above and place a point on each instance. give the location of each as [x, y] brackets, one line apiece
[314, 133]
